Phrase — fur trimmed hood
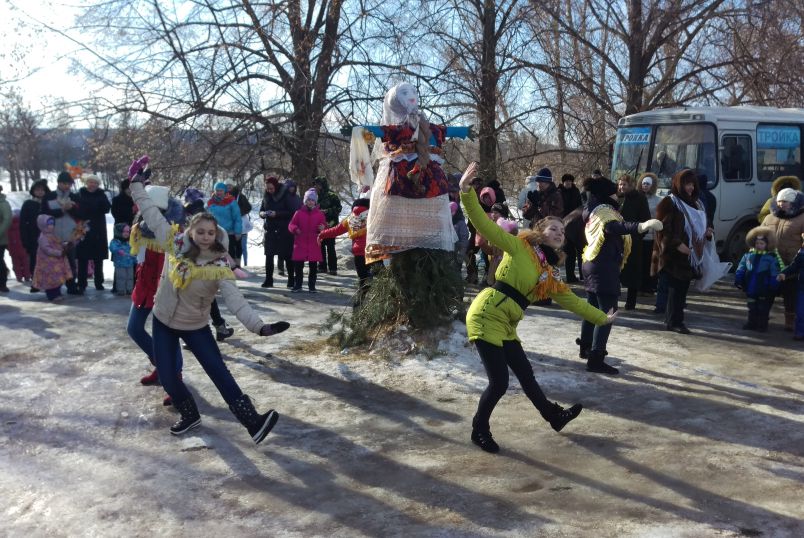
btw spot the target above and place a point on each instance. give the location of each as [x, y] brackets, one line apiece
[761, 231]
[784, 182]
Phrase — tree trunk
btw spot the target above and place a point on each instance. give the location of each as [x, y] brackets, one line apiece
[487, 102]
[636, 43]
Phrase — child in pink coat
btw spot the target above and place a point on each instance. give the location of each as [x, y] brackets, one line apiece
[52, 268]
[306, 224]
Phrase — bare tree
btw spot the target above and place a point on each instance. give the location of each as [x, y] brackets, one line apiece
[274, 74]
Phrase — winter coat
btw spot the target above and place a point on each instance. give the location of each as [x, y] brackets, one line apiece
[573, 229]
[5, 219]
[242, 203]
[602, 273]
[187, 308]
[305, 229]
[551, 203]
[523, 194]
[65, 220]
[329, 203]
[147, 281]
[570, 198]
[795, 268]
[355, 226]
[756, 274]
[120, 248]
[778, 184]
[93, 208]
[278, 241]
[666, 256]
[493, 317]
[653, 201]
[52, 267]
[634, 208]
[123, 209]
[29, 230]
[787, 228]
[20, 261]
[227, 213]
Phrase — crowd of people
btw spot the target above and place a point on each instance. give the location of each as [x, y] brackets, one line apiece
[168, 256]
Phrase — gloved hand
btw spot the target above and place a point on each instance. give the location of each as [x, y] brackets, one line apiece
[137, 172]
[652, 224]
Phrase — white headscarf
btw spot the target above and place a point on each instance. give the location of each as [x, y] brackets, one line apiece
[397, 112]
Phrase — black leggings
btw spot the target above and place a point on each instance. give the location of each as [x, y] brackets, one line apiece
[497, 360]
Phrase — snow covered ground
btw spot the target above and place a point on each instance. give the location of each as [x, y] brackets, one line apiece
[699, 436]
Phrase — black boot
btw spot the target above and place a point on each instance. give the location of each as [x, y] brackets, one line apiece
[223, 331]
[583, 353]
[558, 417]
[594, 363]
[485, 441]
[257, 425]
[267, 283]
[189, 418]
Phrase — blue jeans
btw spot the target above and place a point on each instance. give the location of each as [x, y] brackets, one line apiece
[203, 345]
[597, 336]
[136, 330]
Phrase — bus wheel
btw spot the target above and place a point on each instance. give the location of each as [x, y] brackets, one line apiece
[736, 247]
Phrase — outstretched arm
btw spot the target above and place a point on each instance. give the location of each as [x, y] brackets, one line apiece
[569, 301]
[452, 132]
[484, 225]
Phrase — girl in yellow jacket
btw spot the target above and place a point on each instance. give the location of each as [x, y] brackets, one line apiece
[528, 272]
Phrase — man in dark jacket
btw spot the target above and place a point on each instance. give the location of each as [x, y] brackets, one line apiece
[330, 204]
[62, 205]
[29, 230]
[123, 205]
[633, 208]
[94, 205]
[571, 198]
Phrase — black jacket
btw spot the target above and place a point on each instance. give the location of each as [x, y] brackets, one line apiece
[123, 209]
[278, 241]
[93, 207]
[29, 230]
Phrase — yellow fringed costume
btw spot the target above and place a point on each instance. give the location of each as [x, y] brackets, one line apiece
[596, 234]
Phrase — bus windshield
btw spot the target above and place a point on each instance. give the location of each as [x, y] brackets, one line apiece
[674, 147]
[631, 150]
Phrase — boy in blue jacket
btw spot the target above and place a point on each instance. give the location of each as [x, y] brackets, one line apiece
[757, 276]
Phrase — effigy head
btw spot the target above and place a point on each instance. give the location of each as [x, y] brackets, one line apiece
[401, 105]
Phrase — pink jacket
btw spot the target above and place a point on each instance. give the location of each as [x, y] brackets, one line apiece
[305, 228]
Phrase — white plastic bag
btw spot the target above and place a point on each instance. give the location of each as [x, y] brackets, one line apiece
[712, 269]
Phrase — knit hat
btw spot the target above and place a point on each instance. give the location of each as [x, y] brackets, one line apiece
[489, 192]
[544, 176]
[600, 187]
[321, 182]
[159, 195]
[786, 195]
[220, 186]
[361, 202]
[65, 177]
[567, 177]
[272, 180]
[191, 194]
[91, 177]
[508, 225]
[311, 195]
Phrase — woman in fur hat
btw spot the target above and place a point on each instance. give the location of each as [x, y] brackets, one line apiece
[608, 239]
[527, 272]
[756, 276]
[678, 248]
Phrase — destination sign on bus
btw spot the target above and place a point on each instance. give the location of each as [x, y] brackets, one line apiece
[634, 135]
[778, 137]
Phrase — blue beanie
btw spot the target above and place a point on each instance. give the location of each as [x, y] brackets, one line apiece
[220, 185]
[544, 175]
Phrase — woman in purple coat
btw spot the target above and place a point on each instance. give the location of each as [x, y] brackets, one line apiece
[305, 226]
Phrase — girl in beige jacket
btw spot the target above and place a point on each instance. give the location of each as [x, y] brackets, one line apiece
[195, 270]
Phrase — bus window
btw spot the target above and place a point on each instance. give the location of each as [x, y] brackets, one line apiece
[630, 151]
[684, 146]
[735, 158]
[778, 151]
